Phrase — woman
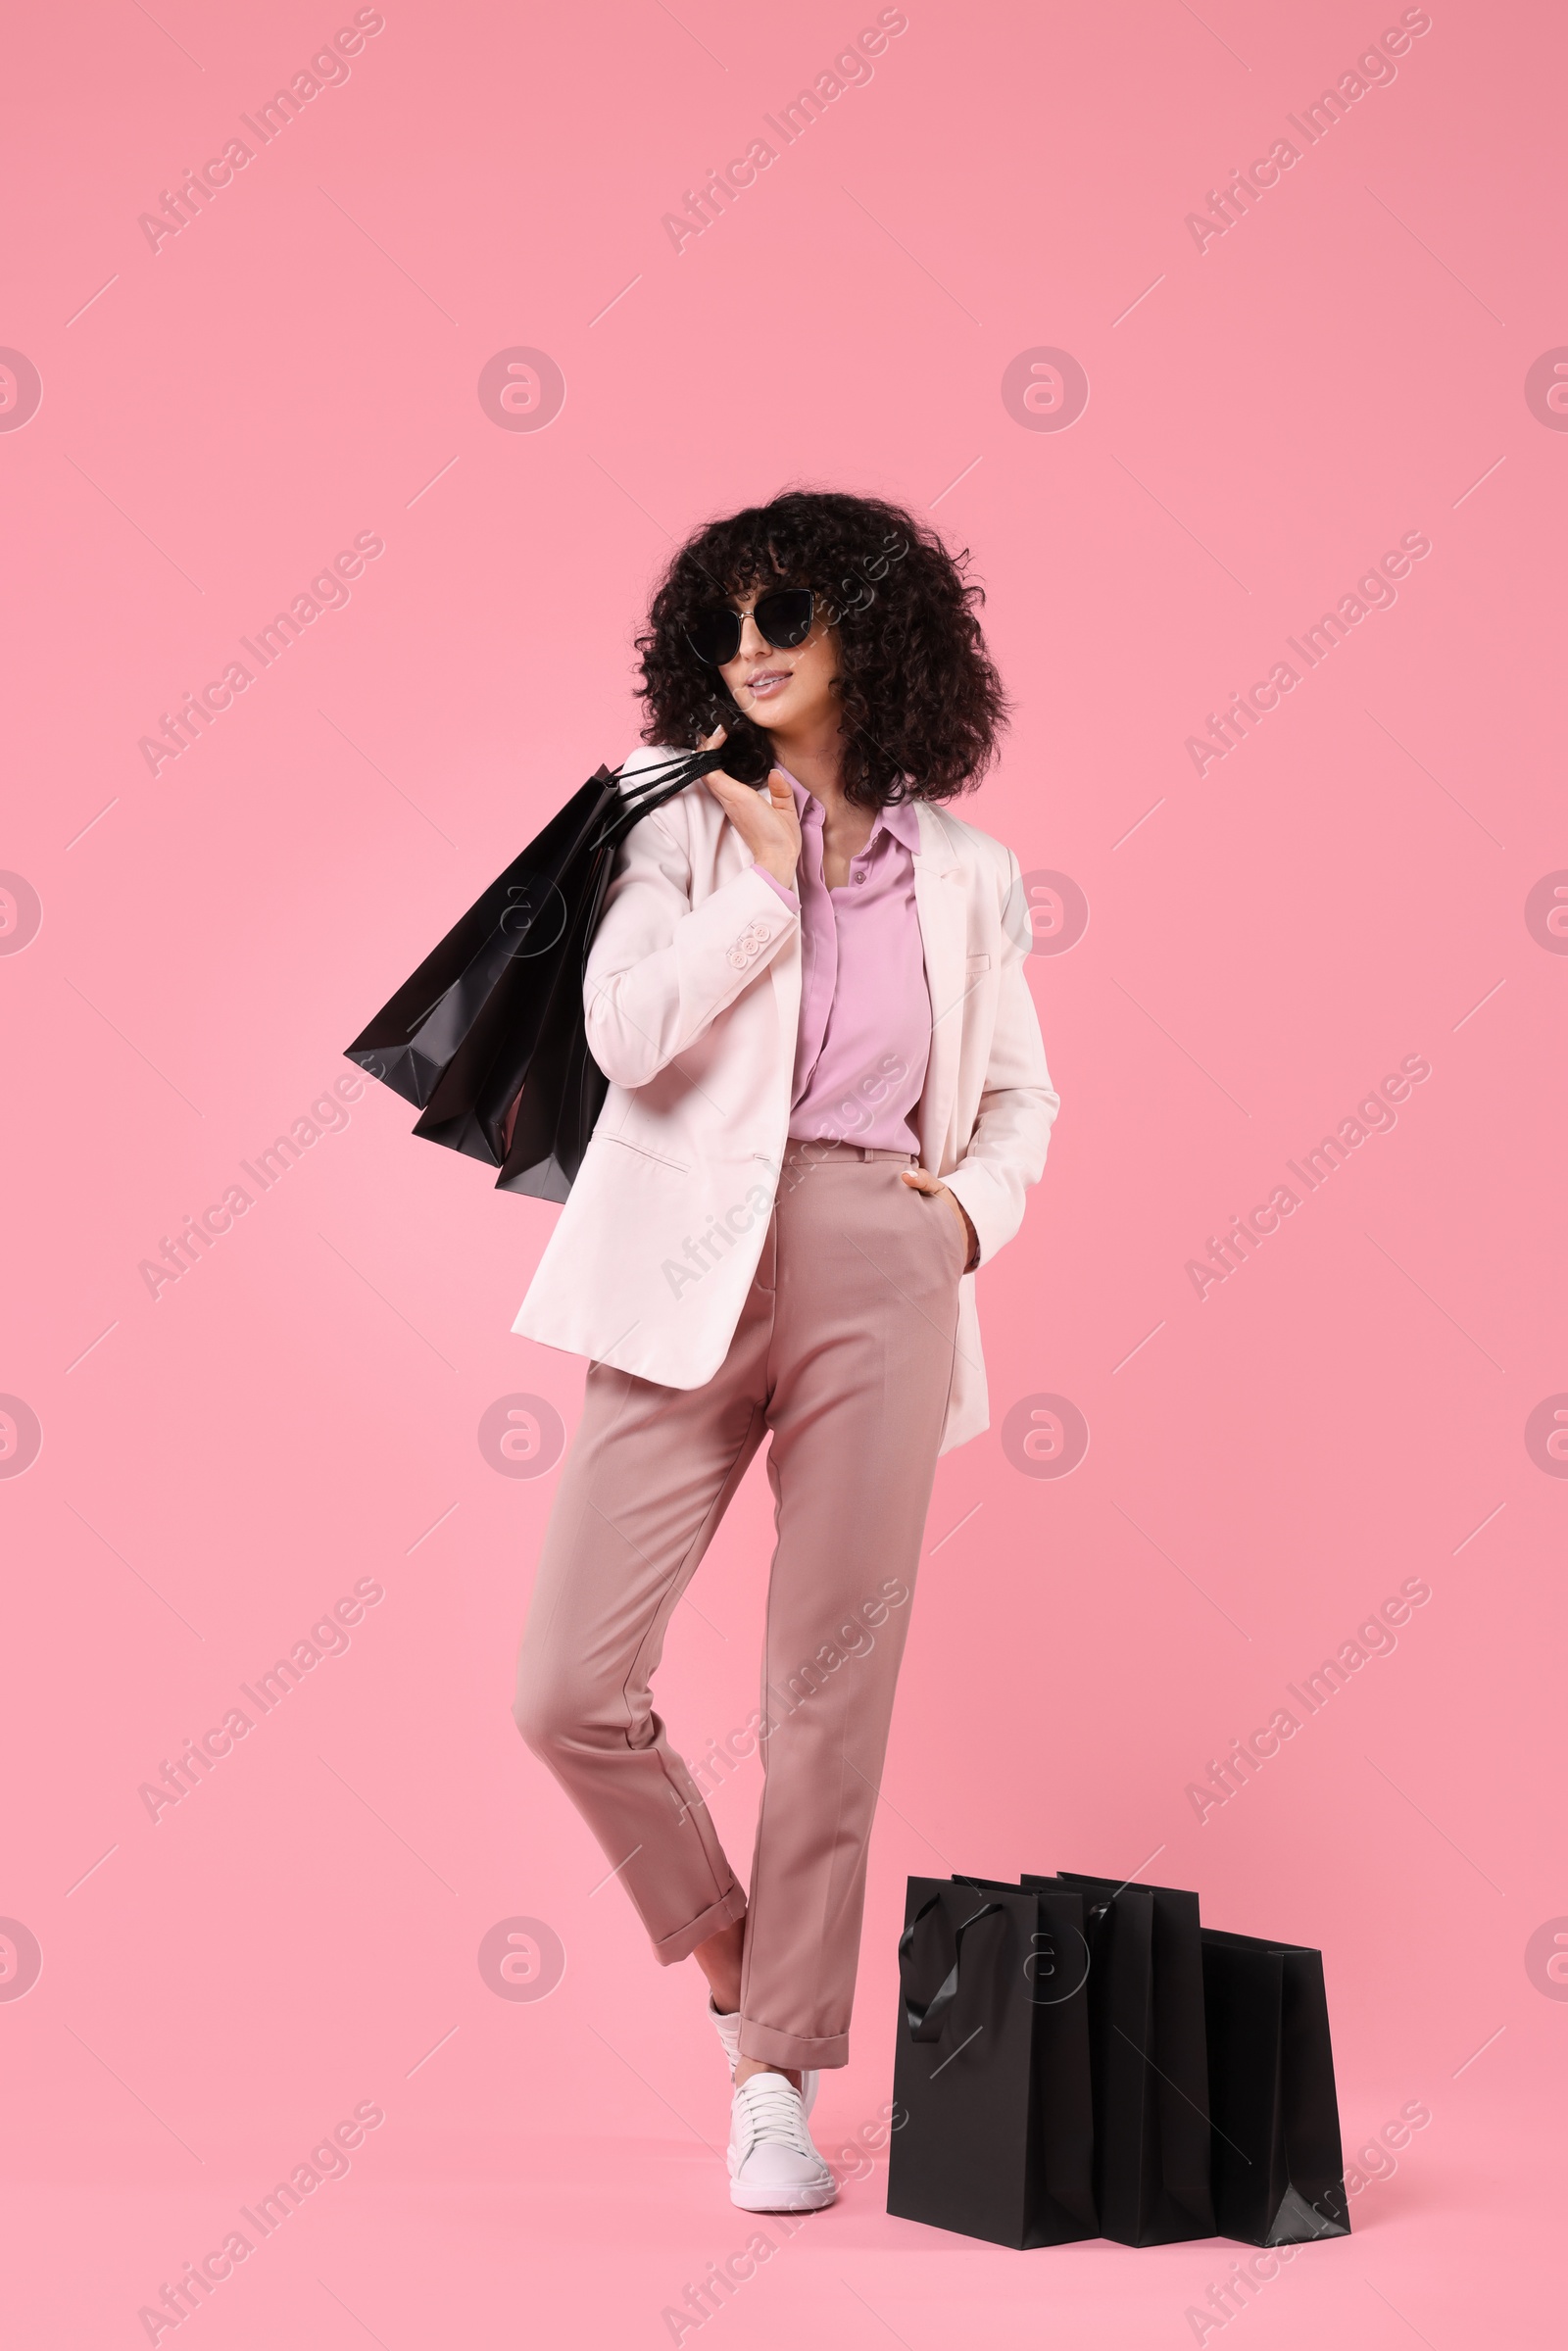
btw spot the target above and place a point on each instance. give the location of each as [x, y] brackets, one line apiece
[828, 1095]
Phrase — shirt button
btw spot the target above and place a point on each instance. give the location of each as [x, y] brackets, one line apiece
[859, 877]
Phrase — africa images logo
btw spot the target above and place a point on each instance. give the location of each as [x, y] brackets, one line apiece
[850, 70]
[328, 68]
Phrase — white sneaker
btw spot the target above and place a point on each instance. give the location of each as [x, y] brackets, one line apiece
[728, 2029]
[773, 2166]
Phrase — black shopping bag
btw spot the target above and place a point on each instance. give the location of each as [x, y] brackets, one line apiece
[1279, 2171]
[1149, 2060]
[991, 2079]
[487, 1037]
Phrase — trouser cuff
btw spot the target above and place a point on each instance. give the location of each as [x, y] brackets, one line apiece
[793, 2050]
[684, 1941]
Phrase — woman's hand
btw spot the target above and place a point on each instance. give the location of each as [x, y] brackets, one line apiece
[769, 828]
[920, 1179]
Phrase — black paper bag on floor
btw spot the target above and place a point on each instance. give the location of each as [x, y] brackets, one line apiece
[991, 2078]
[1062, 2135]
[1149, 2060]
[1278, 2168]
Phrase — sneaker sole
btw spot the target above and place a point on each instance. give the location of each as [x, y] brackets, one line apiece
[775, 2199]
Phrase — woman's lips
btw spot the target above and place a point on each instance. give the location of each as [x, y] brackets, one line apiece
[767, 682]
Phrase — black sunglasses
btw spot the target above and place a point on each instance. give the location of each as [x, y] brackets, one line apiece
[783, 619]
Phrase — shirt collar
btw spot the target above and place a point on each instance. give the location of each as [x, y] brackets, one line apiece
[900, 818]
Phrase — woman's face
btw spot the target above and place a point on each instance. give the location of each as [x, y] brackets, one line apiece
[783, 691]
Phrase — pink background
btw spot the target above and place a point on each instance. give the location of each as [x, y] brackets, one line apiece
[301, 1410]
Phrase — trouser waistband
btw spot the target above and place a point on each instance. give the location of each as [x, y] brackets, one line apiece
[820, 1147]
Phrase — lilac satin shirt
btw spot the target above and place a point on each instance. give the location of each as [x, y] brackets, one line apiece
[864, 1034]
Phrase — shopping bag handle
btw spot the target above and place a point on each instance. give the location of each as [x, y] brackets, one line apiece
[925, 2023]
[684, 763]
[652, 785]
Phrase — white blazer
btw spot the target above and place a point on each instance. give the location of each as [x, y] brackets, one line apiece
[693, 993]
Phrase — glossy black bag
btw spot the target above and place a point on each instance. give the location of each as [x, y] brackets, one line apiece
[994, 2130]
[1149, 2060]
[1278, 2167]
[487, 1037]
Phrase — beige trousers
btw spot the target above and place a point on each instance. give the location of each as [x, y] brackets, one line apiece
[843, 1356]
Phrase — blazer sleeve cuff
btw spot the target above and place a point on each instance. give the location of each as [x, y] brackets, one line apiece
[790, 897]
[970, 1188]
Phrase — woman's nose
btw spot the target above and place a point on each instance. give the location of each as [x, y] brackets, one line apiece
[752, 641]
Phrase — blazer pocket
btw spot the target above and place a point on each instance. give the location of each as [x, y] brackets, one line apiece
[977, 963]
[645, 1150]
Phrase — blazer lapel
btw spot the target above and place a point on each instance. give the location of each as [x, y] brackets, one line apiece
[940, 903]
[784, 976]
[730, 855]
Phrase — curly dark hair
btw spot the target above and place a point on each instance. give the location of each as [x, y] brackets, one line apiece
[922, 702]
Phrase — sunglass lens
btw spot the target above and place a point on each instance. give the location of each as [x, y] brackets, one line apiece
[785, 616]
[715, 636]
